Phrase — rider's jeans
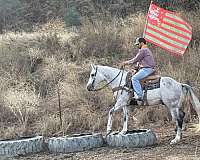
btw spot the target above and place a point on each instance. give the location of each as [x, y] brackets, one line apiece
[142, 73]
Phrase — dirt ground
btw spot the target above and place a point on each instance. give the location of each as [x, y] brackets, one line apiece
[187, 149]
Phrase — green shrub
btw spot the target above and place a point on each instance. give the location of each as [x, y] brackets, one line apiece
[10, 12]
[72, 17]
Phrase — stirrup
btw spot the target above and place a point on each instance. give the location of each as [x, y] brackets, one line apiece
[139, 99]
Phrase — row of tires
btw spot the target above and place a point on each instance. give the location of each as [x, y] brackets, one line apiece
[76, 143]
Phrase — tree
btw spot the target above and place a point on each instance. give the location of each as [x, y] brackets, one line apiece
[72, 16]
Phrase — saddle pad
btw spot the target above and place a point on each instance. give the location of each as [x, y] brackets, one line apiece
[149, 85]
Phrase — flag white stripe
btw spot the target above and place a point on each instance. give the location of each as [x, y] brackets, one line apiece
[162, 44]
[166, 39]
[176, 24]
[178, 18]
[175, 17]
[176, 30]
[170, 34]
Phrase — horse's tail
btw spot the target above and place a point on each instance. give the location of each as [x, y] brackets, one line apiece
[194, 99]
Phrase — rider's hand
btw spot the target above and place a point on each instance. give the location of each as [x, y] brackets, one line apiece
[122, 65]
[134, 70]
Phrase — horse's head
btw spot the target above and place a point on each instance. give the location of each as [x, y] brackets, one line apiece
[95, 78]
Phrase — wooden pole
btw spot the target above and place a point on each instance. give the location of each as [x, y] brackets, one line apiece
[60, 110]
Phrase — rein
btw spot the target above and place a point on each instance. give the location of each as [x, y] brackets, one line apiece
[108, 82]
[120, 81]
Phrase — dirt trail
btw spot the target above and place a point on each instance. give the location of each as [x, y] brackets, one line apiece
[187, 149]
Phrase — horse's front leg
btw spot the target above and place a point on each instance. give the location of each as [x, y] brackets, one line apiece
[121, 103]
[110, 117]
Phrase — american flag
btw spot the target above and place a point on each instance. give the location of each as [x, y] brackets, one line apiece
[167, 30]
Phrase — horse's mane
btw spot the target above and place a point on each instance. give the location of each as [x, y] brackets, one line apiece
[110, 68]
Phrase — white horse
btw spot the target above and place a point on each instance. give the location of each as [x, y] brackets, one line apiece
[171, 93]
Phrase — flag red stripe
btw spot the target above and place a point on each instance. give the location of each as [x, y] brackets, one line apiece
[178, 34]
[164, 41]
[177, 27]
[165, 35]
[172, 31]
[171, 51]
[178, 21]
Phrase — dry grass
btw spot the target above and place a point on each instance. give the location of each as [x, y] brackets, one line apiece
[21, 101]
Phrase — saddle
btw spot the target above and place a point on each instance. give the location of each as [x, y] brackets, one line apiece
[148, 83]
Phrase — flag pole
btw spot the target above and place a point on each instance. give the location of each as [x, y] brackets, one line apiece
[146, 23]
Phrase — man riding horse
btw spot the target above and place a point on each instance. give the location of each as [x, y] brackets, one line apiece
[166, 91]
[146, 63]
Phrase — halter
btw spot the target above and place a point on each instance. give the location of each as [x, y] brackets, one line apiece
[105, 84]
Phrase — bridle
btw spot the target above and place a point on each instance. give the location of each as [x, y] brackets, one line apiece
[108, 82]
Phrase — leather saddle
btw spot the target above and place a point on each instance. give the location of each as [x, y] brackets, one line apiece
[150, 82]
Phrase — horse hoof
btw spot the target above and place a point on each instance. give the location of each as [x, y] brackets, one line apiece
[122, 132]
[174, 141]
[108, 132]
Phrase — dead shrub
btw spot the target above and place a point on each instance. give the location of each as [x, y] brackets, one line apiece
[46, 78]
[50, 43]
[16, 64]
[36, 58]
[100, 39]
[159, 115]
[6, 116]
[74, 120]
[22, 101]
[14, 131]
[50, 125]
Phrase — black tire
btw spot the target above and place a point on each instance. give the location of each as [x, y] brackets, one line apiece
[21, 146]
[75, 143]
[134, 138]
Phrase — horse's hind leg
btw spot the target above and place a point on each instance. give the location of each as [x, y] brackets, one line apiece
[180, 119]
[178, 116]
